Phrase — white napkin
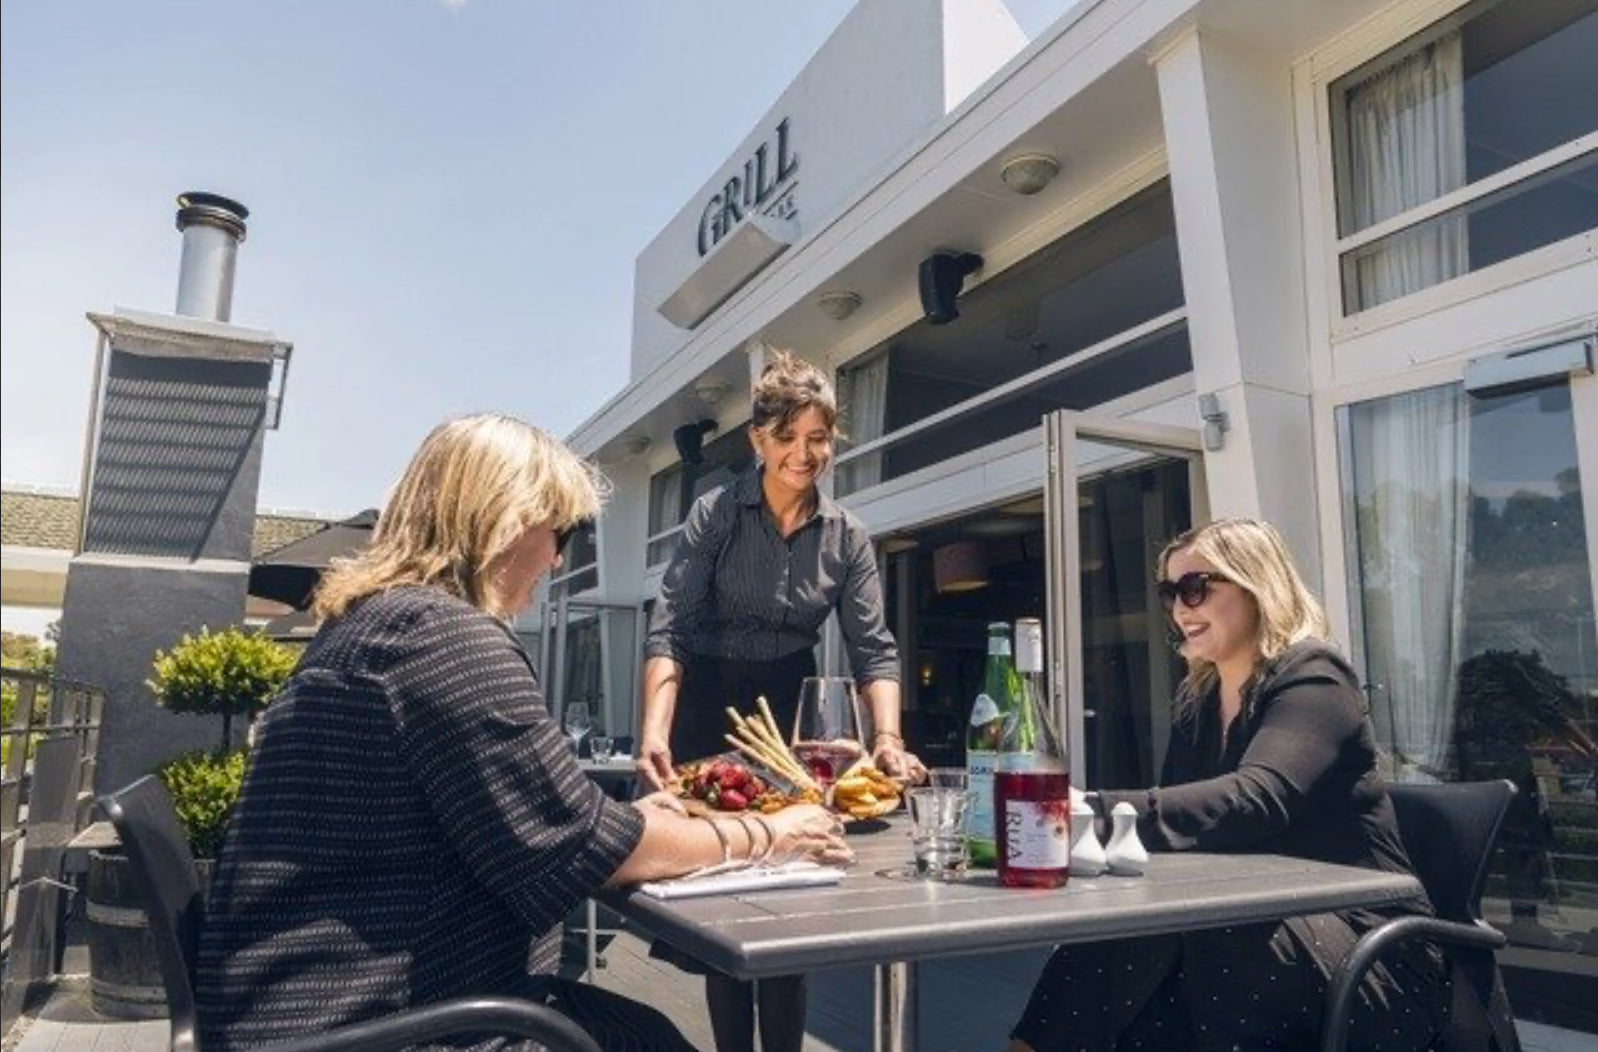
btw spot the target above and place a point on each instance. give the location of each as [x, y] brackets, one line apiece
[757, 878]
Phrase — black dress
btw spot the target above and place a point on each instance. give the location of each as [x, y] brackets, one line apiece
[1296, 776]
[412, 827]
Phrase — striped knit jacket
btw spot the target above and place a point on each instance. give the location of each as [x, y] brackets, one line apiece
[411, 820]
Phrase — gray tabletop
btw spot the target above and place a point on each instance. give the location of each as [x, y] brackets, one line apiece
[877, 915]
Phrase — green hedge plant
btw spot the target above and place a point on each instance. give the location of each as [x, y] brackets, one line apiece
[225, 674]
[204, 788]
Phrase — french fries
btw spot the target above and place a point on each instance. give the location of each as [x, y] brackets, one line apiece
[865, 792]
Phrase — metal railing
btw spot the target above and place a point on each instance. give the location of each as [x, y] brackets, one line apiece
[46, 792]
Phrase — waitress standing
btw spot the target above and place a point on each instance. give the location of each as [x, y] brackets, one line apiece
[763, 561]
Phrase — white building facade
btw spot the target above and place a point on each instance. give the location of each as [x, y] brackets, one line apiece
[1333, 265]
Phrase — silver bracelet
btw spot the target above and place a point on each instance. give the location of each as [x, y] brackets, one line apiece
[715, 827]
[771, 841]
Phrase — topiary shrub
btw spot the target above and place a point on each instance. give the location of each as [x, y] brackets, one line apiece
[204, 788]
[225, 673]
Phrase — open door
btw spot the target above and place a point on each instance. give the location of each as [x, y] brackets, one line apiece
[1116, 492]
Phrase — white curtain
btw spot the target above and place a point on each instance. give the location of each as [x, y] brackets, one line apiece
[1411, 471]
[1406, 146]
[864, 399]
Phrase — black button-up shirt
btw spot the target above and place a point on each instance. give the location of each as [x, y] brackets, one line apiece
[738, 590]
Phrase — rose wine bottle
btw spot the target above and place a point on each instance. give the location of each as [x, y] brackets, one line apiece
[1032, 787]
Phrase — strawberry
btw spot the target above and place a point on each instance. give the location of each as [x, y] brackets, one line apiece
[733, 800]
[734, 777]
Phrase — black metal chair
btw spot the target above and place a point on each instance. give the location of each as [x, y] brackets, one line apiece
[1449, 832]
[163, 872]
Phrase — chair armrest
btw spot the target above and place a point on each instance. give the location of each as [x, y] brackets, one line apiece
[494, 1015]
[1370, 947]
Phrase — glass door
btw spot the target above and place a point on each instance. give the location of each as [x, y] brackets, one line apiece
[1117, 491]
[1471, 535]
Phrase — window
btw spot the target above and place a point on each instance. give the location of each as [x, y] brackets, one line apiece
[1094, 316]
[1473, 594]
[673, 490]
[1471, 143]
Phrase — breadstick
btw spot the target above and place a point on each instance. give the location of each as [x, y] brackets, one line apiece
[771, 723]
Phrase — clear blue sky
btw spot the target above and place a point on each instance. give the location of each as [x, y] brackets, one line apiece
[447, 198]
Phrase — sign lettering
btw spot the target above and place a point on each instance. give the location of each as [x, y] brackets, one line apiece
[764, 188]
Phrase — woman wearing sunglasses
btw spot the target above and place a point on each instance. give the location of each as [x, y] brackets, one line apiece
[1271, 750]
[413, 823]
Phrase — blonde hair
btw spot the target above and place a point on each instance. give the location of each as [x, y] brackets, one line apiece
[789, 385]
[471, 489]
[1252, 555]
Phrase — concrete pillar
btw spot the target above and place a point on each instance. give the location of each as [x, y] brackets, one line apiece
[169, 502]
[1228, 120]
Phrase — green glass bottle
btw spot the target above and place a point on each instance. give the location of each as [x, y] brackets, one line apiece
[1001, 694]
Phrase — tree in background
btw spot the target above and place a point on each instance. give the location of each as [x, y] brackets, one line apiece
[225, 674]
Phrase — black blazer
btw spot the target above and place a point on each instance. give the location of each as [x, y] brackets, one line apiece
[412, 818]
[1297, 775]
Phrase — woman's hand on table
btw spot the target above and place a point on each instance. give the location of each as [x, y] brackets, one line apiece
[808, 832]
[664, 800]
[654, 763]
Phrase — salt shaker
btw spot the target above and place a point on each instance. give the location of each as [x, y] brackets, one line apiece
[1125, 854]
[1087, 854]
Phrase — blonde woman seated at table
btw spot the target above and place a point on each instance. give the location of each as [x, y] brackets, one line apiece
[413, 825]
[1271, 750]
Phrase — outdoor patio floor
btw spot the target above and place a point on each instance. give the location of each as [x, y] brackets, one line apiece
[967, 1005]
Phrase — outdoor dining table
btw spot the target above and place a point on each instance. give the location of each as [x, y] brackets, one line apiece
[882, 916]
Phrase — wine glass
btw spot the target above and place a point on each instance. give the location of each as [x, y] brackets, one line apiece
[577, 722]
[826, 731]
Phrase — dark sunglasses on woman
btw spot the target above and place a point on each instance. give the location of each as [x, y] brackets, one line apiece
[1192, 588]
[563, 537]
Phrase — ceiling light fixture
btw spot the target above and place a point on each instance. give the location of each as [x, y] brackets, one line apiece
[1027, 173]
[960, 567]
[839, 303]
[711, 390]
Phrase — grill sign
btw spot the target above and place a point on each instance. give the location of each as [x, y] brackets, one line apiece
[764, 188]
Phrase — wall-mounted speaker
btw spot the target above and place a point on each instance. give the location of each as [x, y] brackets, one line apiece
[942, 275]
[690, 441]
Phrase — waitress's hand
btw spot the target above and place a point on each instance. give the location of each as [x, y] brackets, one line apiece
[654, 763]
[894, 762]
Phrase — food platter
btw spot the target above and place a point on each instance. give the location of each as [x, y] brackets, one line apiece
[762, 776]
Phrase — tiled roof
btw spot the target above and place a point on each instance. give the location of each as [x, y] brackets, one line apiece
[30, 519]
[38, 520]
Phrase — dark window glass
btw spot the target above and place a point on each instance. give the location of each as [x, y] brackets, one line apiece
[1101, 279]
[1491, 86]
[1159, 356]
[1530, 214]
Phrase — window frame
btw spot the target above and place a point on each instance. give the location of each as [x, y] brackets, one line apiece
[1360, 46]
[1331, 468]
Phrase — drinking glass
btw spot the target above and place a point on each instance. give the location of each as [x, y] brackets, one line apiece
[826, 731]
[600, 747]
[938, 817]
[577, 722]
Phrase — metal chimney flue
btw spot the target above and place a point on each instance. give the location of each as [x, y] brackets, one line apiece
[212, 227]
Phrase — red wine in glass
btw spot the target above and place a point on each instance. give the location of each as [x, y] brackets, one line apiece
[826, 730]
[827, 760]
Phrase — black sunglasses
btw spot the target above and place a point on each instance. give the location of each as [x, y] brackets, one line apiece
[563, 537]
[1192, 588]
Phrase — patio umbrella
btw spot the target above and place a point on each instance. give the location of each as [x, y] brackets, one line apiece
[289, 574]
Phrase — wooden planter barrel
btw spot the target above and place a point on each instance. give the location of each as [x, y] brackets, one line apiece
[124, 974]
